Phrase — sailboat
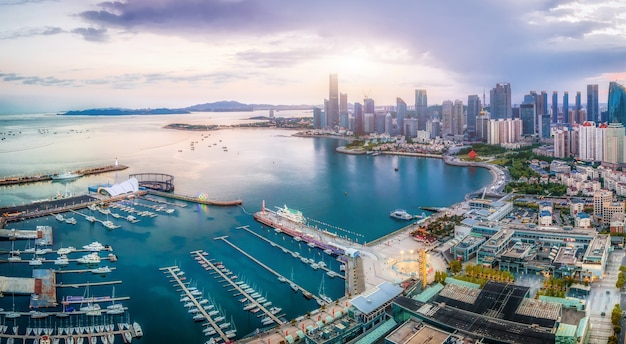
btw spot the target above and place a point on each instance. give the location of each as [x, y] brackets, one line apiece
[291, 283]
[322, 293]
[115, 308]
[13, 314]
[14, 256]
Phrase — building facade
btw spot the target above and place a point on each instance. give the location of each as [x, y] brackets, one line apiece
[500, 98]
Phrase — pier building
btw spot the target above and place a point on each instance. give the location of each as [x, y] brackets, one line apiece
[155, 181]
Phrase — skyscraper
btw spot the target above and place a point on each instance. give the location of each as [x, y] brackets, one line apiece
[421, 108]
[343, 103]
[317, 118]
[617, 103]
[473, 109]
[333, 101]
[587, 141]
[613, 145]
[528, 116]
[401, 115]
[542, 103]
[500, 98]
[358, 118]
[368, 105]
[593, 109]
[565, 107]
[457, 117]
[446, 116]
[579, 107]
[555, 107]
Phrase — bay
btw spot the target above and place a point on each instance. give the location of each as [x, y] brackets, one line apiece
[351, 195]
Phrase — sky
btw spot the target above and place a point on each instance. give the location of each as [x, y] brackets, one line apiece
[59, 55]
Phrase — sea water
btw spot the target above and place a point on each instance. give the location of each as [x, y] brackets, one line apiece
[350, 195]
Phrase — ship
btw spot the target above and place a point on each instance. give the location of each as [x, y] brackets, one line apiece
[94, 247]
[91, 258]
[291, 215]
[101, 270]
[66, 176]
[401, 214]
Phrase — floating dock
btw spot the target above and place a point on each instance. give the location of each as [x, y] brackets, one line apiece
[298, 287]
[88, 334]
[172, 270]
[286, 250]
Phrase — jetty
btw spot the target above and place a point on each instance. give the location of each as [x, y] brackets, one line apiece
[87, 333]
[173, 271]
[195, 199]
[4, 181]
[284, 249]
[298, 287]
[88, 284]
[235, 286]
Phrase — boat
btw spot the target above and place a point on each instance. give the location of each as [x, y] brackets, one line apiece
[94, 246]
[101, 270]
[315, 266]
[66, 176]
[282, 279]
[65, 250]
[128, 336]
[322, 293]
[70, 220]
[401, 214]
[293, 286]
[61, 260]
[311, 244]
[90, 218]
[291, 214]
[137, 329]
[275, 310]
[36, 261]
[59, 217]
[91, 258]
[198, 317]
[331, 273]
[109, 224]
[38, 315]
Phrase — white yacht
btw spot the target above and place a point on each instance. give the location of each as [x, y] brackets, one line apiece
[94, 246]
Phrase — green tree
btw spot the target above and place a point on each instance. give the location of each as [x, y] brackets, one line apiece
[455, 266]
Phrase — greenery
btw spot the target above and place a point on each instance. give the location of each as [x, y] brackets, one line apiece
[556, 287]
[442, 226]
[620, 279]
[483, 149]
[455, 266]
[551, 189]
[440, 276]
[481, 275]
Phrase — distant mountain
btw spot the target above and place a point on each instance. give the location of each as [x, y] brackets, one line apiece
[124, 112]
[221, 106]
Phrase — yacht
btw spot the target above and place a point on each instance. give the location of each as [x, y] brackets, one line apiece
[91, 258]
[291, 215]
[282, 279]
[109, 224]
[59, 217]
[61, 260]
[401, 214]
[94, 246]
[65, 250]
[70, 220]
[90, 218]
[36, 261]
[101, 270]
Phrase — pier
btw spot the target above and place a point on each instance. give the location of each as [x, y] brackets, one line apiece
[235, 285]
[286, 250]
[293, 229]
[48, 176]
[304, 291]
[88, 284]
[55, 335]
[172, 270]
[195, 199]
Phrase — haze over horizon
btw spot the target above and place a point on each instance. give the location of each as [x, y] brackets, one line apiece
[71, 54]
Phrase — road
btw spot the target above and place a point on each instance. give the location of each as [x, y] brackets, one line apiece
[602, 297]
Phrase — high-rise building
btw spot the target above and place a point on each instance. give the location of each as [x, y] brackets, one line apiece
[317, 118]
[600, 133]
[593, 109]
[579, 107]
[566, 107]
[369, 123]
[617, 103]
[343, 103]
[504, 131]
[435, 128]
[368, 105]
[614, 145]
[457, 118]
[358, 119]
[542, 103]
[388, 124]
[379, 122]
[473, 111]
[528, 115]
[421, 108]
[562, 143]
[333, 101]
[544, 126]
[578, 101]
[555, 107]
[446, 116]
[587, 141]
[401, 115]
[500, 98]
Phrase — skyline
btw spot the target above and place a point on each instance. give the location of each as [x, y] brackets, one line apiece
[71, 55]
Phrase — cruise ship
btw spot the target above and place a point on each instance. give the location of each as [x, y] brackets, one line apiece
[401, 214]
[291, 215]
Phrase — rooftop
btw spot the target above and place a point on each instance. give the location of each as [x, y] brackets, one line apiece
[372, 300]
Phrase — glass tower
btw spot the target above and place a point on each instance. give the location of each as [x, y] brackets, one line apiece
[333, 101]
[593, 110]
[617, 103]
[401, 115]
[473, 109]
[565, 107]
[555, 106]
[500, 98]
[421, 108]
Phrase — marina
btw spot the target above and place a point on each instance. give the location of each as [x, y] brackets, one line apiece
[293, 285]
[52, 176]
[175, 275]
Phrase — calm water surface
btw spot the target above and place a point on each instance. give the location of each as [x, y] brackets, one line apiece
[352, 193]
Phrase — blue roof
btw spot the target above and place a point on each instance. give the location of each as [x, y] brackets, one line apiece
[583, 215]
[383, 293]
[545, 213]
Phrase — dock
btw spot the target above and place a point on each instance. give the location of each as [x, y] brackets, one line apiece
[62, 334]
[284, 249]
[48, 176]
[88, 284]
[236, 286]
[172, 270]
[195, 199]
[301, 289]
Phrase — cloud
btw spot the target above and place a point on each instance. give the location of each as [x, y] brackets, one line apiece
[31, 32]
[20, 2]
[35, 80]
[92, 34]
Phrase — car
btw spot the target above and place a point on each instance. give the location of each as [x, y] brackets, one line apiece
[602, 314]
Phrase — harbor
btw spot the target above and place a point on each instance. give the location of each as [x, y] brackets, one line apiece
[17, 180]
